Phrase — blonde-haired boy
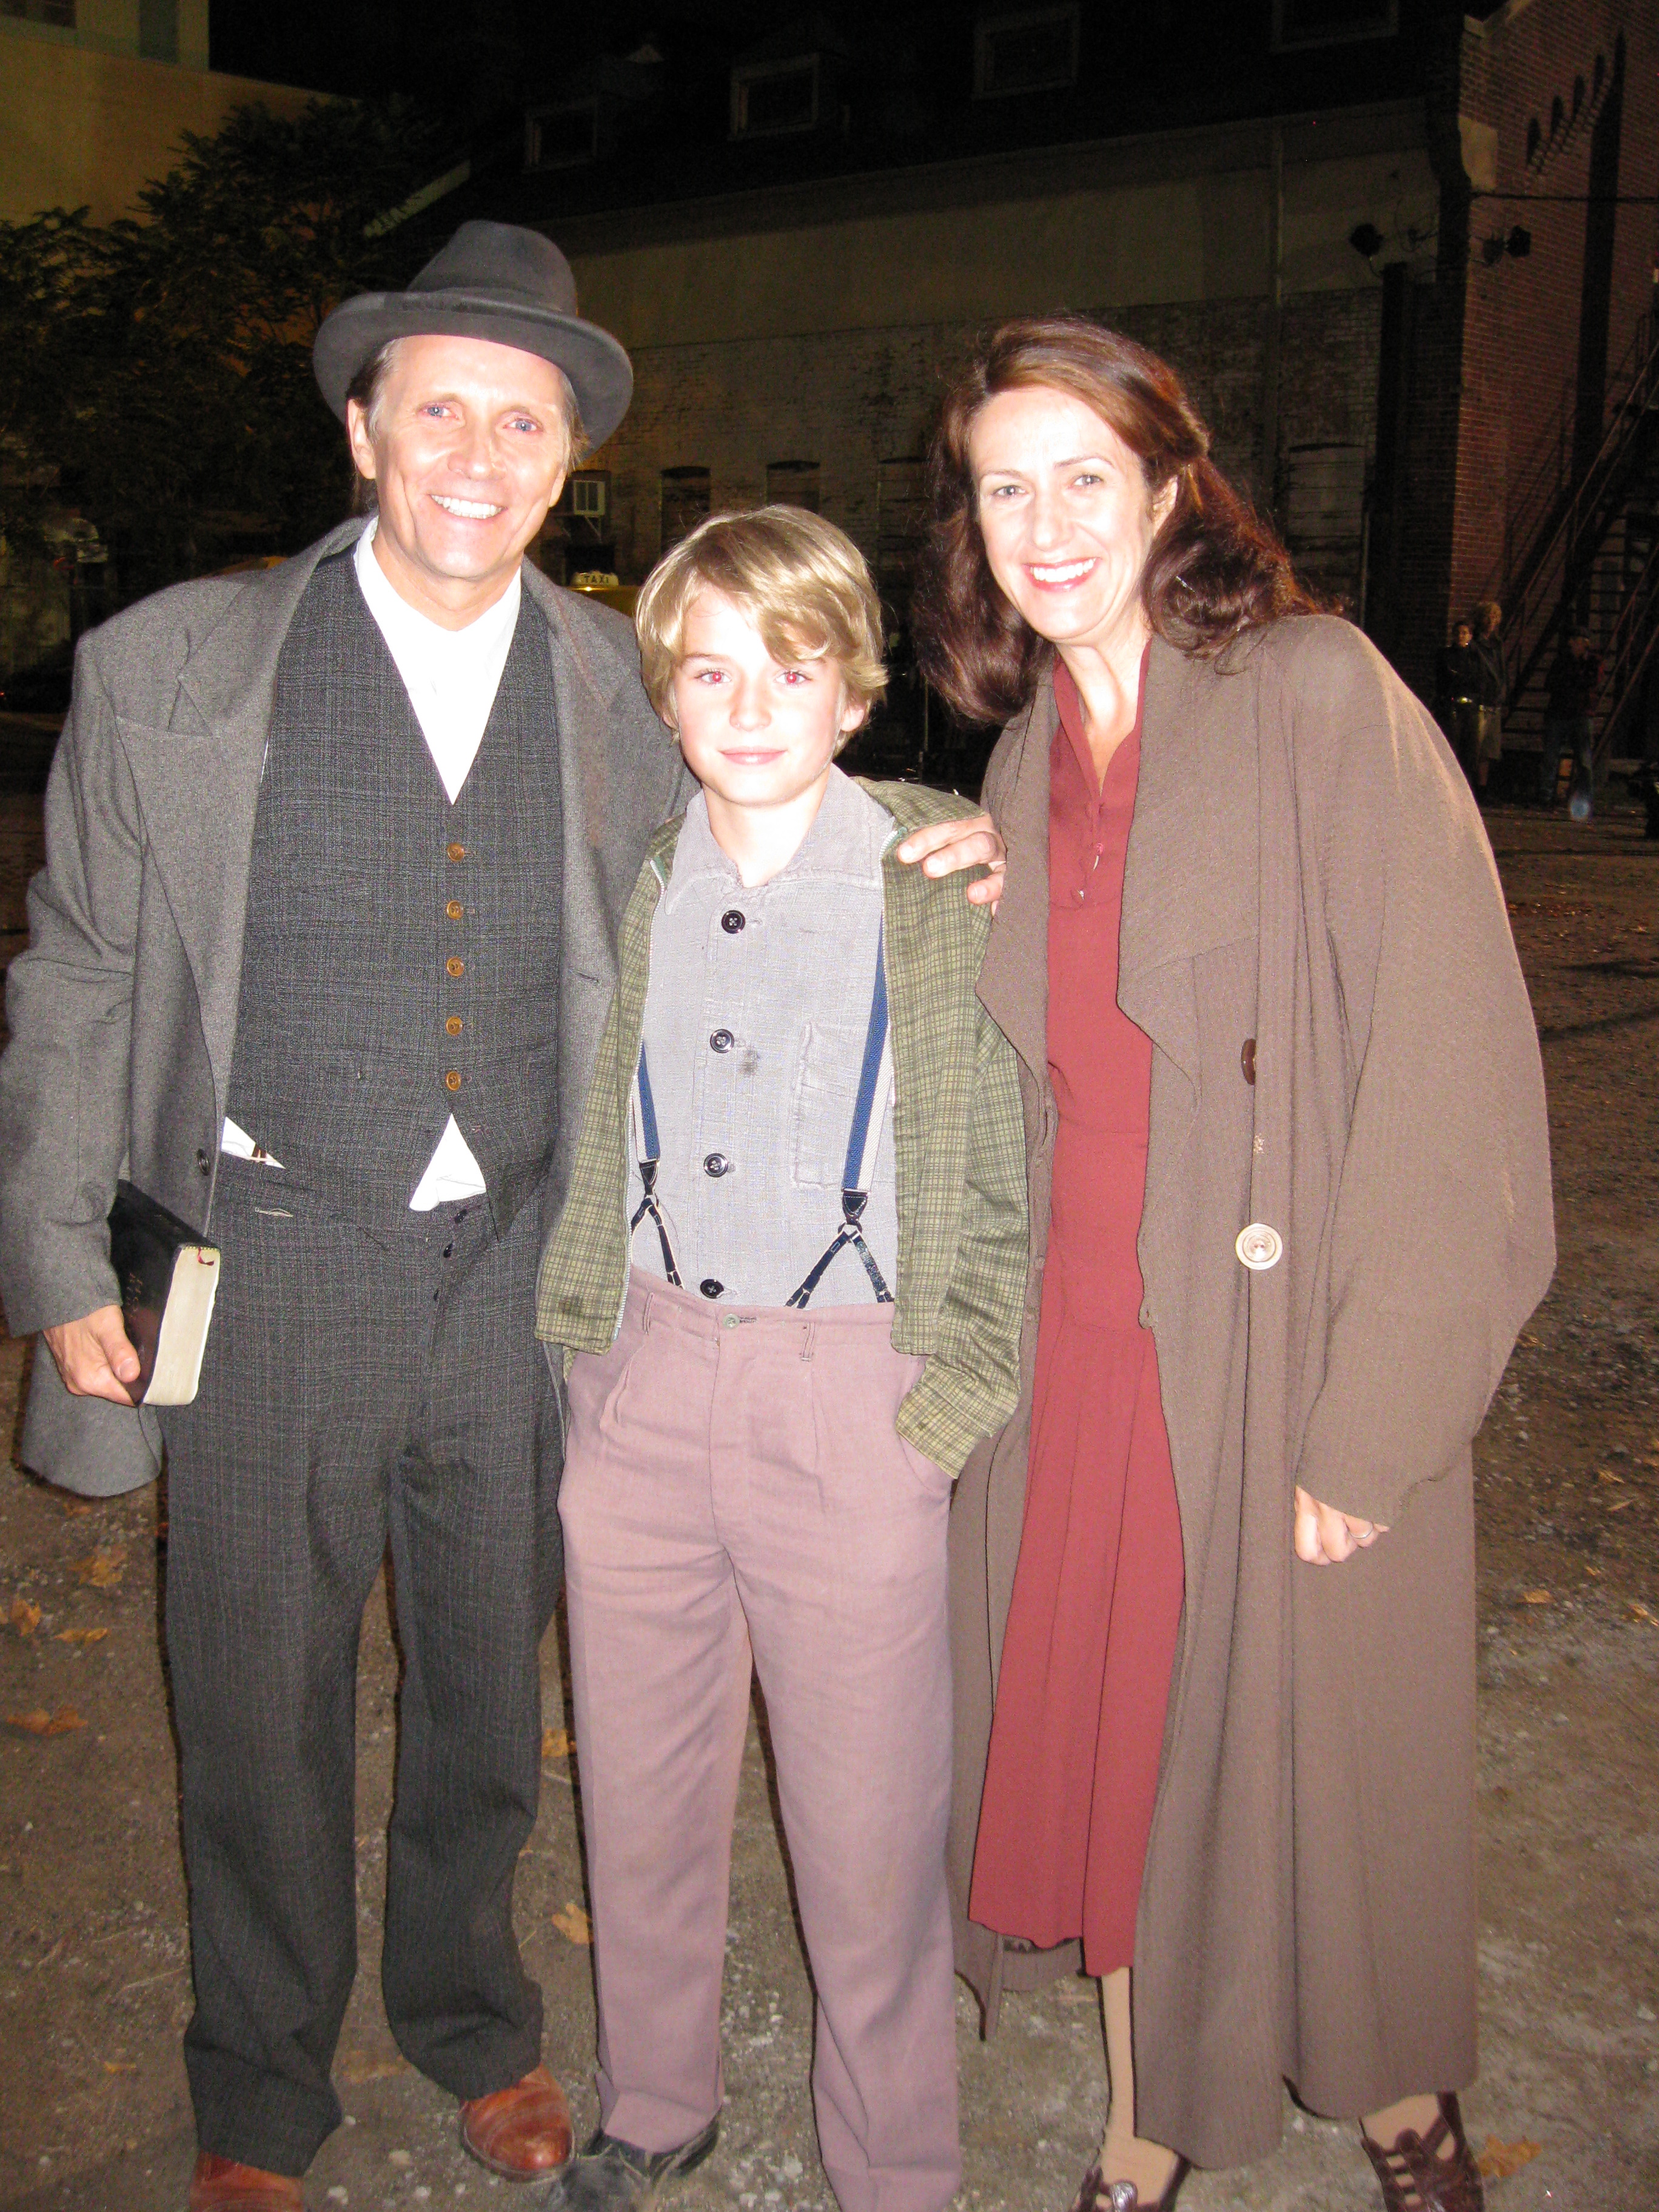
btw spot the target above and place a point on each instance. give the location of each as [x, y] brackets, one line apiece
[788, 1279]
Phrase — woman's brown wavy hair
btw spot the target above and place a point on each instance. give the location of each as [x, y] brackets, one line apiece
[1215, 569]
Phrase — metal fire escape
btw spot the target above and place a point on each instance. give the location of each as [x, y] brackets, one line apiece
[1582, 551]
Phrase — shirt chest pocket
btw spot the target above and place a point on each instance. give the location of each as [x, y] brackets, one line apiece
[824, 1090]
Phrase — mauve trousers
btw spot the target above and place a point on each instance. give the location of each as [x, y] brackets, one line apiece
[734, 1491]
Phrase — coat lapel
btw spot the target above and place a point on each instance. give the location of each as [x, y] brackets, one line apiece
[198, 782]
[1013, 978]
[1189, 881]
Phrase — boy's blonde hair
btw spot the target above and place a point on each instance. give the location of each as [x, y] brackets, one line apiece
[802, 582]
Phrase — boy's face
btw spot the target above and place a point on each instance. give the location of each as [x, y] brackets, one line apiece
[754, 731]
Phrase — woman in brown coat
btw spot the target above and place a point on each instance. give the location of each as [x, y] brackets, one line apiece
[1217, 1576]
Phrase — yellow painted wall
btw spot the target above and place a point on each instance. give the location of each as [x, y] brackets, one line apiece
[82, 127]
[1202, 237]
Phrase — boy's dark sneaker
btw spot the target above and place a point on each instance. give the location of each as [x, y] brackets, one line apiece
[609, 2175]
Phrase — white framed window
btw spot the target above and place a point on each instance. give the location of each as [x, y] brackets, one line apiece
[1026, 50]
[1332, 22]
[770, 98]
[590, 495]
[562, 137]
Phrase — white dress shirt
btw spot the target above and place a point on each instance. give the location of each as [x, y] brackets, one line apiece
[452, 676]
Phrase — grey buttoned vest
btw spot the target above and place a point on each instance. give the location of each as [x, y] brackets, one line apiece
[400, 958]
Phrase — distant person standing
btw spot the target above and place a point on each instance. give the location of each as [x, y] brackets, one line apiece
[1494, 689]
[1457, 696]
[1574, 681]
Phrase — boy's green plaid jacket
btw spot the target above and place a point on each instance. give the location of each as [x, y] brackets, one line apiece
[958, 1152]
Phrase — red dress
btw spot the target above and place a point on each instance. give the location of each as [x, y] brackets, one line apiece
[1078, 1726]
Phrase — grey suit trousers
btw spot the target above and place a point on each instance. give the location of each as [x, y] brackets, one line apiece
[359, 1386]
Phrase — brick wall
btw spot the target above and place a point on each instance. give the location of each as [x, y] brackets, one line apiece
[849, 400]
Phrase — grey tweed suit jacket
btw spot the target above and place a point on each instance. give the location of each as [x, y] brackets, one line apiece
[123, 1010]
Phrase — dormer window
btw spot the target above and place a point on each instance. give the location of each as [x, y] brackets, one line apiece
[562, 137]
[771, 97]
[1025, 50]
[1332, 22]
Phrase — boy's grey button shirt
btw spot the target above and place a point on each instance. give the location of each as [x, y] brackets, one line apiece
[755, 1021]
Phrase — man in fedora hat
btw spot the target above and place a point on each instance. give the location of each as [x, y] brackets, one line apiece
[335, 857]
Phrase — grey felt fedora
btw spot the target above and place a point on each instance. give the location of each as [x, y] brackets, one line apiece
[494, 281]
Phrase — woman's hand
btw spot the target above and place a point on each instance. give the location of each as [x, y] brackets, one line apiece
[1325, 1537]
[943, 846]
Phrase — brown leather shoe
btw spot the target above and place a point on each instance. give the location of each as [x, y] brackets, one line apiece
[522, 2133]
[219, 2184]
[1096, 2195]
[1415, 2176]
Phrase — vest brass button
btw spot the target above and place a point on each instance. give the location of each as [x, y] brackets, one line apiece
[731, 921]
[458, 852]
[716, 1164]
[452, 1080]
[710, 1288]
[453, 1025]
[722, 1041]
[454, 909]
[455, 967]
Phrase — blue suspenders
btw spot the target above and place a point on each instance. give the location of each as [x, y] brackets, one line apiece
[863, 1143]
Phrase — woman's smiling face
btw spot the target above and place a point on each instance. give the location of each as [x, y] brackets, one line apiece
[1066, 515]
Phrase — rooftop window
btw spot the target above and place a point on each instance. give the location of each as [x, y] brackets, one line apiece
[58, 12]
[771, 97]
[1333, 23]
[562, 137]
[1025, 50]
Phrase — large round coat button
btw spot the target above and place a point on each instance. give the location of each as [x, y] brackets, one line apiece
[720, 1041]
[710, 1288]
[1259, 1246]
[731, 921]
[716, 1164]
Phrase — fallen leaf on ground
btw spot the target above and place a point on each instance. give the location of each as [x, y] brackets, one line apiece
[1638, 1609]
[1500, 2160]
[41, 1722]
[75, 1512]
[24, 1617]
[1539, 1597]
[1606, 1474]
[573, 1923]
[103, 1569]
[1620, 1503]
[558, 1743]
[119, 2066]
[80, 1636]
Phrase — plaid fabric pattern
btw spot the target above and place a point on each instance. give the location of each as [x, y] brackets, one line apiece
[959, 1148]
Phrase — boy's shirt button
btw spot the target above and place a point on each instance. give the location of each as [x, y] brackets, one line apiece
[710, 1288]
[722, 1041]
[716, 1164]
[731, 921]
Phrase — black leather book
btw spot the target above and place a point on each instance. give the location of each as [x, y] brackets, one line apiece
[169, 1276]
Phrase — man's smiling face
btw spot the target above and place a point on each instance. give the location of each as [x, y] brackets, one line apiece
[467, 444]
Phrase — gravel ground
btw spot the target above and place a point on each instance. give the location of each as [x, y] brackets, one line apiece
[93, 1980]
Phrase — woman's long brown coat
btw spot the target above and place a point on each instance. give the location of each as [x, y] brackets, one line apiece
[1307, 870]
